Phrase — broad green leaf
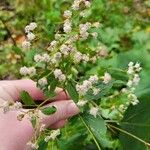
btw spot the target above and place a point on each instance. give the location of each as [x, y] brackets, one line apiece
[104, 90]
[137, 122]
[26, 98]
[49, 110]
[72, 91]
[98, 128]
[17, 50]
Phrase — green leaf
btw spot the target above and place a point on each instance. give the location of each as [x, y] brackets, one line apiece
[98, 128]
[49, 110]
[72, 91]
[104, 90]
[43, 145]
[33, 121]
[17, 50]
[26, 98]
[137, 122]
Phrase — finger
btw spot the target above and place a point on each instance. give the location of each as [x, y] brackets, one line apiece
[65, 109]
[11, 90]
[59, 124]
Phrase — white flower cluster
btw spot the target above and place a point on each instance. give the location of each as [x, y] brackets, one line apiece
[133, 71]
[66, 49]
[76, 4]
[53, 135]
[94, 111]
[67, 14]
[107, 78]
[42, 82]
[32, 145]
[59, 75]
[133, 98]
[87, 84]
[67, 26]
[81, 103]
[8, 106]
[27, 71]
[78, 57]
[30, 36]
[83, 30]
[53, 44]
[42, 58]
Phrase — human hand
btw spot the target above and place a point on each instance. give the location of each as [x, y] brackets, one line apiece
[14, 134]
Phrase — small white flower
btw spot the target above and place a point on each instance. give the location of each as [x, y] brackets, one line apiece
[96, 91]
[30, 36]
[62, 77]
[57, 36]
[57, 73]
[67, 26]
[131, 64]
[107, 78]
[54, 134]
[38, 58]
[87, 4]
[87, 84]
[24, 71]
[31, 71]
[57, 56]
[67, 14]
[94, 34]
[17, 105]
[93, 79]
[77, 57]
[33, 145]
[130, 83]
[130, 70]
[96, 24]
[76, 5]
[5, 106]
[81, 103]
[47, 138]
[94, 111]
[53, 43]
[42, 127]
[136, 79]
[26, 44]
[46, 57]
[32, 25]
[64, 49]
[85, 58]
[42, 82]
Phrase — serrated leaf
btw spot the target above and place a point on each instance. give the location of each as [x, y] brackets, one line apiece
[26, 98]
[49, 110]
[71, 89]
[98, 127]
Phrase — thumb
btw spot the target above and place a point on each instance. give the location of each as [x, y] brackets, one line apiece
[65, 109]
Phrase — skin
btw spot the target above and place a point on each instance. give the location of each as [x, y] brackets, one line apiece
[15, 134]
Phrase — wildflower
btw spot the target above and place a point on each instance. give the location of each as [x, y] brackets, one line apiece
[54, 134]
[67, 14]
[77, 57]
[107, 78]
[76, 5]
[96, 24]
[26, 44]
[17, 105]
[24, 71]
[42, 127]
[30, 27]
[136, 79]
[67, 26]
[57, 36]
[94, 111]
[47, 138]
[87, 4]
[85, 58]
[30, 36]
[33, 145]
[42, 82]
[57, 56]
[46, 57]
[64, 49]
[94, 34]
[96, 91]
[5, 106]
[93, 79]
[81, 103]
[62, 77]
[31, 71]
[129, 83]
[38, 58]
[57, 73]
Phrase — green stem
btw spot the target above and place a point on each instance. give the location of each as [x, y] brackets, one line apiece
[135, 137]
[89, 130]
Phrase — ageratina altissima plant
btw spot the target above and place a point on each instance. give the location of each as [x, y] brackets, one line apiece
[62, 64]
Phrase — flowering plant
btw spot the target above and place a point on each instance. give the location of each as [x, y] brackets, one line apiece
[103, 97]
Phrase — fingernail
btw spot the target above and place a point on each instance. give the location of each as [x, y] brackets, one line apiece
[72, 109]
